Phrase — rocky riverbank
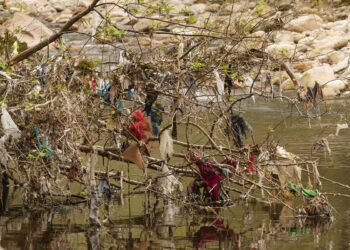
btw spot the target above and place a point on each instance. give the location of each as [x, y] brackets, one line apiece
[313, 37]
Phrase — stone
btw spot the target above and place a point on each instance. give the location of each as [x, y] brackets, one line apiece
[331, 43]
[215, 7]
[285, 7]
[279, 77]
[304, 23]
[30, 34]
[288, 84]
[333, 88]
[63, 18]
[287, 36]
[59, 6]
[321, 74]
[281, 50]
[198, 8]
[341, 65]
[143, 25]
[335, 57]
[304, 66]
[343, 25]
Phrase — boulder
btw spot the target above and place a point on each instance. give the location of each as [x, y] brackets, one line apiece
[321, 74]
[304, 23]
[30, 34]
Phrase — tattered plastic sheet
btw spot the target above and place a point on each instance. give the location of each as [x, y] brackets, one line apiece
[11, 131]
[169, 182]
[166, 145]
[133, 154]
[9, 126]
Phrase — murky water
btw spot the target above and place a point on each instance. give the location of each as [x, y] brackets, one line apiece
[138, 223]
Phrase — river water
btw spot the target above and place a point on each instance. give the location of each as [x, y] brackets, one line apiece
[139, 223]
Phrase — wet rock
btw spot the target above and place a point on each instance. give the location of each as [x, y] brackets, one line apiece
[321, 74]
[30, 34]
[304, 23]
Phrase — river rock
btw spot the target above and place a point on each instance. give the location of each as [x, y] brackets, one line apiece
[30, 34]
[281, 49]
[143, 25]
[335, 57]
[331, 42]
[304, 66]
[288, 84]
[287, 36]
[304, 23]
[341, 65]
[64, 16]
[333, 88]
[321, 74]
[343, 25]
[198, 8]
[59, 6]
[215, 7]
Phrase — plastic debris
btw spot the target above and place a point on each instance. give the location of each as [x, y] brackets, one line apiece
[156, 118]
[140, 126]
[220, 85]
[151, 97]
[166, 146]
[210, 176]
[169, 182]
[9, 126]
[45, 146]
[133, 154]
[322, 143]
[340, 127]
[239, 128]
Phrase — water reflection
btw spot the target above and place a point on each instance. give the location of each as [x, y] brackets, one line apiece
[152, 225]
[140, 221]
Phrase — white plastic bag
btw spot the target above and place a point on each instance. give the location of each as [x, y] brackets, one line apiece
[9, 126]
